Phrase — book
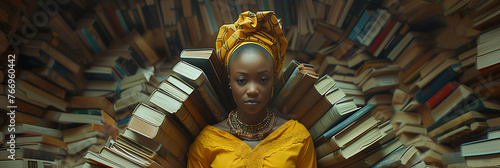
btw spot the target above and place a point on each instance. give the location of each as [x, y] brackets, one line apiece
[483, 161]
[379, 83]
[457, 97]
[215, 71]
[381, 153]
[47, 148]
[311, 96]
[461, 132]
[95, 159]
[301, 79]
[42, 46]
[110, 154]
[479, 105]
[138, 79]
[154, 133]
[130, 101]
[406, 117]
[196, 78]
[77, 146]
[42, 83]
[365, 141]
[67, 118]
[334, 115]
[437, 83]
[326, 102]
[187, 101]
[165, 122]
[172, 106]
[348, 135]
[399, 157]
[337, 128]
[441, 94]
[35, 130]
[40, 139]
[26, 153]
[71, 132]
[36, 94]
[480, 148]
[21, 163]
[82, 102]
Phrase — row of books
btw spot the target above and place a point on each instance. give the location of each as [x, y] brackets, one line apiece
[436, 83]
[163, 125]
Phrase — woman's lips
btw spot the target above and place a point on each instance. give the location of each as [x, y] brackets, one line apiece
[252, 102]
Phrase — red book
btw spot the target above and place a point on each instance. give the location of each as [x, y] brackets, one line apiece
[110, 12]
[381, 36]
[441, 94]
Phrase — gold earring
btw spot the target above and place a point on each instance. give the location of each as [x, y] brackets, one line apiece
[229, 86]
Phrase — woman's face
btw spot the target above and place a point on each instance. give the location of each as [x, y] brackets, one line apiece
[251, 79]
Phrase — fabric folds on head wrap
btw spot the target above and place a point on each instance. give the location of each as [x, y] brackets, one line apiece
[261, 28]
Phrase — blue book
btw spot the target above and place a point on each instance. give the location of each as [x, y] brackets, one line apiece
[437, 83]
[480, 147]
[91, 41]
[478, 105]
[358, 114]
[365, 17]
[394, 158]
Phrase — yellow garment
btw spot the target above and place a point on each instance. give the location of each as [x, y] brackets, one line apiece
[288, 146]
[261, 28]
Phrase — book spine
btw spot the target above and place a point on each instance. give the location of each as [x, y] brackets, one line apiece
[315, 113]
[114, 19]
[437, 83]
[102, 32]
[348, 121]
[168, 142]
[477, 105]
[331, 159]
[188, 121]
[58, 79]
[121, 19]
[328, 119]
[91, 41]
[326, 148]
[284, 93]
[441, 94]
[381, 37]
[285, 76]
[305, 83]
[359, 25]
[36, 154]
[216, 108]
[59, 57]
[174, 131]
[193, 110]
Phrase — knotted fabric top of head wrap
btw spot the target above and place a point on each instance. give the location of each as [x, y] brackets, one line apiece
[261, 28]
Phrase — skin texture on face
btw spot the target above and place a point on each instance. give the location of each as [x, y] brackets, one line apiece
[251, 79]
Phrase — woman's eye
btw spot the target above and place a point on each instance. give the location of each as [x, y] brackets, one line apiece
[240, 80]
[264, 79]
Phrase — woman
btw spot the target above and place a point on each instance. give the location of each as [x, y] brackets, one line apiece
[252, 49]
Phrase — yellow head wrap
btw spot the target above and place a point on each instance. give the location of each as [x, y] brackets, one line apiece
[261, 28]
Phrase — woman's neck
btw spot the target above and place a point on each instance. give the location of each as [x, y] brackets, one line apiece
[251, 119]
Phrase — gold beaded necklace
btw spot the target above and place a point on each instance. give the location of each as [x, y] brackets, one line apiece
[251, 132]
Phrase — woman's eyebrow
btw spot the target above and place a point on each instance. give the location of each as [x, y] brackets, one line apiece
[264, 71]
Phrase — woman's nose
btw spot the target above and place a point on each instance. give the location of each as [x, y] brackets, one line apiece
[252, 90]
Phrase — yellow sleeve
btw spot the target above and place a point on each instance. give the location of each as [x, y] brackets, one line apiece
[197, 156]
[307, 155]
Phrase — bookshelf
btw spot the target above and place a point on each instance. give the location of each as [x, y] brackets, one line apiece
[427, 71]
